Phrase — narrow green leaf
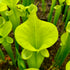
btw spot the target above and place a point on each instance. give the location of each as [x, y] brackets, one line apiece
[64, 50]
[57, 14]
[14, 18]
[2, 55]
[20, 61]
[51, 10]
[21, 64]
[8, 48]
[65, 12]
[43, 6]
[67, 18]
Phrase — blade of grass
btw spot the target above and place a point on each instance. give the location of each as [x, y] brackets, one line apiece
[2, 55]
[21, 63]
[57, 14]
[51, 10]
[61, 56]
[64, 50]
[67, 19]
[65, 12]
[43, 6]
[7, 47]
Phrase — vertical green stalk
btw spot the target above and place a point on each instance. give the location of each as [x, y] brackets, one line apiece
[20, 61]
[17, 22]
[67, 19]
[43, 6]
[51, 10]
[2, 55]
[35, 60]
[8, 48]
[61, 56]
[15, 19]
[65, 12]
[57, 14]
[63, 52]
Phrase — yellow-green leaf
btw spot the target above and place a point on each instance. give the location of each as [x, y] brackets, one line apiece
[34, 33]
[3, 7]
[68, 66]
[68, 2]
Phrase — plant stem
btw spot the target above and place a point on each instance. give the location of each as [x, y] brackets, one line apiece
[65, 12]
[20, 61]
[57, 14]
[8, 48]
[43, 6]
[2, 55]
[35, 60]
[67, 19]
[62, 53]
[51, 10]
